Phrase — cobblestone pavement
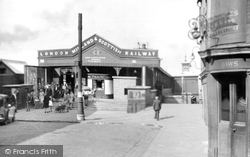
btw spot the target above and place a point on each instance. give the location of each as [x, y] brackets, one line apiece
[180, 132]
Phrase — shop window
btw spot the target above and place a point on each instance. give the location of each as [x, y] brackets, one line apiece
[100, 84]
[225, 106]
[233, 91]
[241, 100]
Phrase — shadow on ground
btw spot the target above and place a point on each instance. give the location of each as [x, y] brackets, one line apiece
[166, 117]
[24, 128]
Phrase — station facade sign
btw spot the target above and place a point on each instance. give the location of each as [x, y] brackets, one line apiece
[95, 39]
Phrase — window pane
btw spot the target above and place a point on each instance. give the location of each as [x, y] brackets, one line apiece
[241, 100]
[225, 106]
[241, 110]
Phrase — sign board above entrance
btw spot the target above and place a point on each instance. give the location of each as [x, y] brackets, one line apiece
[228, 64]
[95, 39]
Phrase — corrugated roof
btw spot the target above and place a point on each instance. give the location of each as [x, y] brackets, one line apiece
[16, 66]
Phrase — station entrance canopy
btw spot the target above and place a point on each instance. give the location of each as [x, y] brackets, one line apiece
[97, 51]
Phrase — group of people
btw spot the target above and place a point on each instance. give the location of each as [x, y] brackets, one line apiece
[48, 95]
[44, 97]
[48, 99]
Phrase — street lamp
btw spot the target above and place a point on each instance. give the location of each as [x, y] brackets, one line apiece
[192, 57]
[199, 28]
[80, 111]
[199, 3]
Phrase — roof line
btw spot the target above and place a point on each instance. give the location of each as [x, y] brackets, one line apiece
[1, 59]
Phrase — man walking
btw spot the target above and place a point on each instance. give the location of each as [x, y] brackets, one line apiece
[157, 107]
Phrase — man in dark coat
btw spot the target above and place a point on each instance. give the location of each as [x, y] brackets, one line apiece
[46, 103]
[157, 107]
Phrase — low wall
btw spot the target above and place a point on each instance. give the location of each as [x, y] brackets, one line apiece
[173, 99]
[139, 98]
[120, 84]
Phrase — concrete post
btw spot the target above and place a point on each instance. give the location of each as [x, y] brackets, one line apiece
[143, 76]
[46, 76]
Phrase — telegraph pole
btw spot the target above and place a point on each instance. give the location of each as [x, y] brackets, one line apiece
[80, 111]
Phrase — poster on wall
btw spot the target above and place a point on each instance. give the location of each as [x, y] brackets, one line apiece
[136, 94]
[31, 77]
[226, 22]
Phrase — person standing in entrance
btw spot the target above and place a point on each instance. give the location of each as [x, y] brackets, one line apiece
[157, 107]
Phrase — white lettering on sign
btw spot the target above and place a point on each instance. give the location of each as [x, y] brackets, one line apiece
[140, 53]
[230, 64]
[108, 45]
[94, 40]
[95, 59]
[54, 53]
[99, 40]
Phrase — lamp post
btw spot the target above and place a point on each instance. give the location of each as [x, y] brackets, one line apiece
[80, 111]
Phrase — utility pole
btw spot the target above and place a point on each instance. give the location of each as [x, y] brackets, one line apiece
[80, 111]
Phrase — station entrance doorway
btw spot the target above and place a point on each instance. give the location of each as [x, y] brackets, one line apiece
[232, 128]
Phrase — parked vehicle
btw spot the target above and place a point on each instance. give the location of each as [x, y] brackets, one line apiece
[7, 112]
[86, 90]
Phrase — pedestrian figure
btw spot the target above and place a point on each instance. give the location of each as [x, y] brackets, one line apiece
[41, 95]
[50, 103]
[13, 99]
[71, 100]
[49, 90]
[157, 107]
[28, 101]
[94, 94]
[46, 103]
[86, 96]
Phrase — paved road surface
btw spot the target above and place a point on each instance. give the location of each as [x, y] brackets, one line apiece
[181, 132]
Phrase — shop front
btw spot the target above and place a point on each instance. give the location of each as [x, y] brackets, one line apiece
[224, 38]
[103, 83]
[226, 84]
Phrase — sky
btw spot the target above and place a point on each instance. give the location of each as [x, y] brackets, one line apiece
[27, 26]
